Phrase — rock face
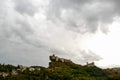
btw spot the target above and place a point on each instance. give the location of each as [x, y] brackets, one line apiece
[56, 61]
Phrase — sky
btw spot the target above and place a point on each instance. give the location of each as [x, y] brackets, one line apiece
[80, 30]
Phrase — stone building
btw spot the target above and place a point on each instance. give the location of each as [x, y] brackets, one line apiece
[4, 74]
[57, 61]
[14, 72]
[54, 58]
[31, 69]
[90, 64]
[22, 68]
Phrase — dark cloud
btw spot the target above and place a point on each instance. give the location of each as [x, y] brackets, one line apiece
[84, 15]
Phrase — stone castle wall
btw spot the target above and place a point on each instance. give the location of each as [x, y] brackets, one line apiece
[57, 59]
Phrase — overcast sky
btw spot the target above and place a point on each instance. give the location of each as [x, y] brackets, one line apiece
[80, 30]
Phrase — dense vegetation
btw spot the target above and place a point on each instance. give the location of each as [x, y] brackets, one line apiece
[72, 71]
[59, 71]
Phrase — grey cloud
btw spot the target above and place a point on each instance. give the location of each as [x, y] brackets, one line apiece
[24, 54]
[89, 56]
[25, 32]
[84, 15]
[18, 43]
[25, 7]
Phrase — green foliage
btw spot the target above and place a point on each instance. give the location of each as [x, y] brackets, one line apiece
[6, 68]
[95, 71]
[60, 71]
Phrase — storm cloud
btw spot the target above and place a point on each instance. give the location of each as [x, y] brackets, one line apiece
[84, 15]
[31, 30]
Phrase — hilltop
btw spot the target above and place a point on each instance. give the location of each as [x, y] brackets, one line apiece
[59, 69]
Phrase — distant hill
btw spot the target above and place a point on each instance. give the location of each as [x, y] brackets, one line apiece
[116, 68]
[59, 69]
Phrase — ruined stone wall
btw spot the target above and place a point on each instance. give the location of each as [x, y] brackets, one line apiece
[56, 59]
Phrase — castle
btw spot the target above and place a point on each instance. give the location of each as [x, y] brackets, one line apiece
[90, 64]
[54, 58]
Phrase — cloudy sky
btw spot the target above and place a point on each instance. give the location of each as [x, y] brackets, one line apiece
[80, 30]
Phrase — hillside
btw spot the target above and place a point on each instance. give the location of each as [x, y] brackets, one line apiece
[59, 69]
[116, 68]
